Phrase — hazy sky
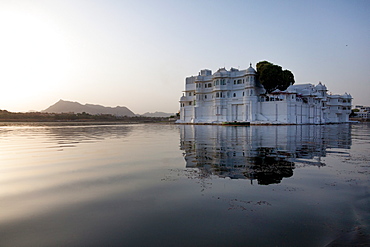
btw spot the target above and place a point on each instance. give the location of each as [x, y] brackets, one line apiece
[138, 53]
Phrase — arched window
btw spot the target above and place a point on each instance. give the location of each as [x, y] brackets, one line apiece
[234, 95]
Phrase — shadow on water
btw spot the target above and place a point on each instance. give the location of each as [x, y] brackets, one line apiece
[263, 153]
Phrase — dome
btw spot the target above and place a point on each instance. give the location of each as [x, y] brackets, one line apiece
[221, 72]
[348, 96]
[250, 70]
[320, 87]
[291, 89]
[217, 74]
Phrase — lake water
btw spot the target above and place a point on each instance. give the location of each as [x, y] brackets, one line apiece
[184, 185]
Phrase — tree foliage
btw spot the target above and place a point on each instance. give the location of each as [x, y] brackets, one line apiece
[273, 77]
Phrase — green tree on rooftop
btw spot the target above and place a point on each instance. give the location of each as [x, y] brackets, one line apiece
[273, 77]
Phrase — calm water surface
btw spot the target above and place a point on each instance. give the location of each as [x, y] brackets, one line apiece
[169, 185]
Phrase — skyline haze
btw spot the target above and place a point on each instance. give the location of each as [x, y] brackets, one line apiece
[138, 53]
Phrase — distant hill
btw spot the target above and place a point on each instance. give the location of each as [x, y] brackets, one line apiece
[157, 114]
[63, 106]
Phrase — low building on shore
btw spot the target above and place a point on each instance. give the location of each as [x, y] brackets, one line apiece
[237, 96]
[362, 113]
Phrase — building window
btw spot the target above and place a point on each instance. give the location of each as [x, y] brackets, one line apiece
[234, 95]
[217, 95]
[243, 93]
[218, 110]
[205, 96]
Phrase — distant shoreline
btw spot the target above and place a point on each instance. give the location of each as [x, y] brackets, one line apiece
[42, 117]
[79, 122]
[76, 123]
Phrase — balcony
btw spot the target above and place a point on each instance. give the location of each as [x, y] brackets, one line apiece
[220, 87]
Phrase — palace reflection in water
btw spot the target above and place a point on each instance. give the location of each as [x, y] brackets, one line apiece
[263, 153]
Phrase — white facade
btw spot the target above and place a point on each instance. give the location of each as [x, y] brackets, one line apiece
[237, 96]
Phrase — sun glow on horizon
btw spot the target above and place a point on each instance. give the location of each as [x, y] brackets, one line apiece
[34, 56]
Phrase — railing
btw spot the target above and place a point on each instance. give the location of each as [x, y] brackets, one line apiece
[220, 87]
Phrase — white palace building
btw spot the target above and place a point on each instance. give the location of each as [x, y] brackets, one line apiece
[237, 96]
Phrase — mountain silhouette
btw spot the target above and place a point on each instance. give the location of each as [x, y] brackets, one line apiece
[157, 114]
[63, 106]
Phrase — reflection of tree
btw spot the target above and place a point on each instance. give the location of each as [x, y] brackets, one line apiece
[270, 167]
[267, 165]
